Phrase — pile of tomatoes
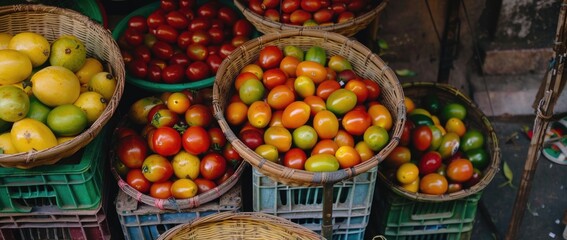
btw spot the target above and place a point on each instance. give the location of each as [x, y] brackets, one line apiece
[171, 147]
[307, 111]
[437, 153]
[310, 12]
[181, 41]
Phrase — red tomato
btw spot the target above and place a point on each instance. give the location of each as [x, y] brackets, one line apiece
[325, 88]
[132, 150]
[161, 190]
[213, 166]
[207, 10]
[176, 19]
[138, 23]
[230, 154]
[274, 77]
[296, 114]
[272, 14]
[295, 158]
[299, 16]
[155, 19]
[218, 140]
[270, 57]
[122, 132]
[135, 178]
[251, 138]
[460, 170]
[183, 4]
[174, 73]
[242, 27]
[346, 75]
[239, 40]
[133, 37]
[214, 61]
[196, 140]
[429, 162]
[168, 5]
[280, 97]
[167, 33]
[288, 6]
[200, 23]
[405, 138]
[197, 70]
[157, 168]
[343, 138]
[138, 68]
[310, 5]
[204, 185]
[323, 16]
[197, 52]
[355, 122]
[316, 104]
[225, 50]
[227, 174]
[182, 59]
[227, 16]
[421, 137]
[166, 141]
[198, 115]
[373, 89]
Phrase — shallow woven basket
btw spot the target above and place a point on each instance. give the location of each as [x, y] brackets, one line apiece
[173, 203]
[365, 64]
[244, 225]
[348, 28]
[475, 119]
[53, 22]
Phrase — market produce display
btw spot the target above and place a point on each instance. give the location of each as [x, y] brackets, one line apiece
[50, 92]
[170, 146]
[307, 110]
[179, 42]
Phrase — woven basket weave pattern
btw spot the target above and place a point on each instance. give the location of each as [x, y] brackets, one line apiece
[475, 119]
[52, 22]
[365, 63]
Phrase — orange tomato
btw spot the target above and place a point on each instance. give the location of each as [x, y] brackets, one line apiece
[236, 113]
[253, 68]
[356, 122]
[343, 138]
[259, 114]
[398, 156]
[364, 151]
[358, 87]
[326, 124]
[433, 183]
[161, 190]
[325, 88]
[276, 119]
[325, 146]
[279, 137]
[460, 170]
[316, 104]
[380, 116]
[243, 77]
[184, 188]
[313, 70]
[410, 105]
[178, 102]
[456, 125]
[288, 65]
[280, 96]
[347, 156]
[296, 114]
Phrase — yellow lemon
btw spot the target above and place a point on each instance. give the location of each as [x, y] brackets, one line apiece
[91, 67]
[28, 134]
[55, 86]
[14, 66]
[34, 45]
[103, 83]
[92, 103]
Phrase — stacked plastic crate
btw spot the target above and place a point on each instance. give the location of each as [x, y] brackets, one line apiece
[66, 200]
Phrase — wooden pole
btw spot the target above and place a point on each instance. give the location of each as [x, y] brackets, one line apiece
[552, 87]
[327, 226]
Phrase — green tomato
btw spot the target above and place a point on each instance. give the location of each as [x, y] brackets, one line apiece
[294, 51]
[341, 101]
[449, 145]
[304, 86]
[455, 110]
[437, 135]
[38, 110]
[322, 163]
[432, 104]
[268, 151]
[67, 120]
[305, 137]
[316, 54]
[251, 90]
[420, 119]
[376, 137]
[472, 139]
[478, 157]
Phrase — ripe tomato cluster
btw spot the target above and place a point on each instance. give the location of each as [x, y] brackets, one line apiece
[307, 111]
[172, 146]
[310, 12]
[181, 41]
[437, 153]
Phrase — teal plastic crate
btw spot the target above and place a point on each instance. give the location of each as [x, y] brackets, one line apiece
[402, 218]
[439, 236]
[143, 222]
[73, 183]
[352, 202]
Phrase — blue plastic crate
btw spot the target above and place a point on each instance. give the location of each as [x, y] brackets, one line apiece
[352, 202]
[140, 221]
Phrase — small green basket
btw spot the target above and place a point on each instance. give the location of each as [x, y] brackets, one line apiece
[165, 87]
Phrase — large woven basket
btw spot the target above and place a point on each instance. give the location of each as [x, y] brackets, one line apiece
[53, 22]
[365, 64]
[244, 225]
[475, 119]
[348, 28]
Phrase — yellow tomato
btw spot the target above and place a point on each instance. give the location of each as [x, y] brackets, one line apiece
[456, 125]
[410, 105]
[413, 186]
[380, 116]
[186, 165]
[407, 173]
[184, 188]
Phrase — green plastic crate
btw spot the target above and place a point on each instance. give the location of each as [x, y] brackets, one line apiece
[89, 8]
[438, 236]
[352, 202]
[402, 218]
[73, 183]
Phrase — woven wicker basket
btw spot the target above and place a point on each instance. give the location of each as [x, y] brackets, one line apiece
[244, 225]
[475, 119]
[172, 203]
[365, 64]
[348, 28]
[53, 22]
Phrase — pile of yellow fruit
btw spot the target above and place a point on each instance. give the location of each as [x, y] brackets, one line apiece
[49, 92]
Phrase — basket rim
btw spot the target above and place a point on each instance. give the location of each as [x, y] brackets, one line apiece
[51, 155]
[311, 178]
[490, 170]
[247, 216]
[172, 203]
[256, 18]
